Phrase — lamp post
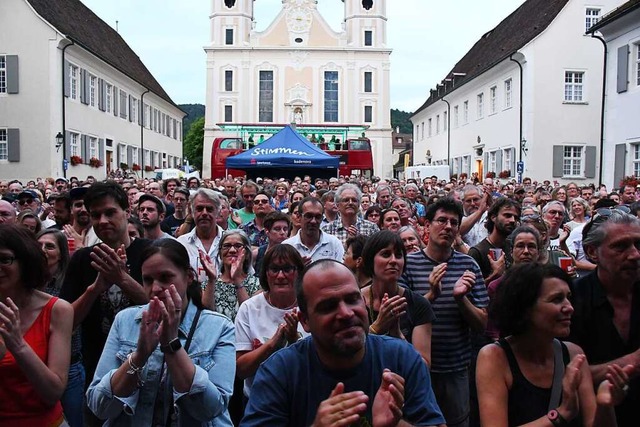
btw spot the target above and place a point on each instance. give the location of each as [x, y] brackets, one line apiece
[59, 141]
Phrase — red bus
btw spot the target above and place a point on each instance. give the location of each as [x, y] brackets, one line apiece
[355, 156]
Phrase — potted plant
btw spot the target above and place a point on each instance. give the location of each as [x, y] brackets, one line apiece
[95, 162]
[148, 168]
[124, 166]
[504, 174]
[135, 167]
[490, 174]
[75, 160]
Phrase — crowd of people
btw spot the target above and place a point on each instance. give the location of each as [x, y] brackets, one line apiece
[324, 302]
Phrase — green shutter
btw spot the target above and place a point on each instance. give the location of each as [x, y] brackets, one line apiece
[558, 156]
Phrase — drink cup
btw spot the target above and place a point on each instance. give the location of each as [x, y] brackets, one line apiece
[496, 253]
[71, 242]
[565, 263]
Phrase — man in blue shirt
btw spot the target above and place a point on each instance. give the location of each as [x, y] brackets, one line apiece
[340, 373]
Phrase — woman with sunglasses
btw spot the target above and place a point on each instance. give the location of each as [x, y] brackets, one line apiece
[531, 378]
[35, 335]
[268, 321]
[236, 282]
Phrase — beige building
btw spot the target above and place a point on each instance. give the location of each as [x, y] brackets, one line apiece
[74, 94]
[299, 70]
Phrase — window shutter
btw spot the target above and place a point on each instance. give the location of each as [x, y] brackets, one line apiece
[499, 167]
[118, 155]
[619, 163]
[140, 112]
[116, 101]
[486, 165]
[67, 144]
[13, 145]
[101, 148]
[85, 87]
[130, 104]
[13, 77]
[623, 68]
[101, 95]
[130, 155]
[558, 155]
[67, 79]
[85, 149]
[590, 162]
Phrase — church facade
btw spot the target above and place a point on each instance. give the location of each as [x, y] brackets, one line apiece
[299, 70]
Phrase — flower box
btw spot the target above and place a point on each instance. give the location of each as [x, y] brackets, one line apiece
[75, 160]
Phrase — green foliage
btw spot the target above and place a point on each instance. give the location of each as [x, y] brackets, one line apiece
[194, 143]
[194, 112]
[401, 119]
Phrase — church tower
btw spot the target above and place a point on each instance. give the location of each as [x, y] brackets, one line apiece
[366, 23]
[231, 23]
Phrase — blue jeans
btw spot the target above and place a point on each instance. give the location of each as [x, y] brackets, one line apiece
[452, 393]
[73, 397]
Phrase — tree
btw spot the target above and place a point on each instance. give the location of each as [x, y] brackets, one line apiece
[194, 143]
[401, 119]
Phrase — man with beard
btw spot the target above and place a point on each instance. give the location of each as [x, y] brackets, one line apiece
[340, 373]
[151, 212]
[255, 229]
[453, 283]
[61, 210]
[205, 237]
[502, 219]
[242, 216]
[95, 272]
[174, 221]
[348, 224]
[80, 229]
[606, 302]
[311, 242]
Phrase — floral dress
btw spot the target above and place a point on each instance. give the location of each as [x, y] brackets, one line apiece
[226, 297]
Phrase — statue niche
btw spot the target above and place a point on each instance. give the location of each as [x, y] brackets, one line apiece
[367, 4]
[229, 3]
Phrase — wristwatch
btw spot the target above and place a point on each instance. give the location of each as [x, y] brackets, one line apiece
[172, 346]
[556, 419]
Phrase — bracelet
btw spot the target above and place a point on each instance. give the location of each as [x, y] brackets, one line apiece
[134, 370]
[373, 330]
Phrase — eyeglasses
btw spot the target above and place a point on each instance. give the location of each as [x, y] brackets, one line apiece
[227, 246]
[286, 269]
[261, 202]
[310, 216]
[442, 221]
[349, 200]
[25, 202]
[531, 218]
[7, 260]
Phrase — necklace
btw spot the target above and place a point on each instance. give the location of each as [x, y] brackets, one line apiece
[295, 303]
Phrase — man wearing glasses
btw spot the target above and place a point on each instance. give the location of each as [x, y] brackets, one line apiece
[453, 283]
[348, 198]
[311, 242]
[606, 302]
[255, 228]
[28, 200]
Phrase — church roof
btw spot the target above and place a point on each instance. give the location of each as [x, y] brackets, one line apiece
[514, 32]
[79, 24]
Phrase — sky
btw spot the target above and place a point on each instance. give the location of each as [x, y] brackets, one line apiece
[428, 37]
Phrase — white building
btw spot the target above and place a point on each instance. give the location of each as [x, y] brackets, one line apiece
[299, 70]
[65, 71]
[621, 31]
[530, 90]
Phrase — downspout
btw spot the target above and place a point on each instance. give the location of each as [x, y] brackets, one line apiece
[142, 132]
[521, 112]
[64, 109]
[448, 136]
[604, 94]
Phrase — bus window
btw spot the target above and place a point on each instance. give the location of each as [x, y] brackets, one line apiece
[359, 144]
[231, 144]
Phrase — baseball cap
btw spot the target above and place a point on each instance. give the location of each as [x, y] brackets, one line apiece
[28, 193]
[78, 193]
[60, 178]
[159, 203]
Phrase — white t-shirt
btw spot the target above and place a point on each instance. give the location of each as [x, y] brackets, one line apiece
[257, 319]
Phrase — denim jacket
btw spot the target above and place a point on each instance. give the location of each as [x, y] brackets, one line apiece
[212, 351]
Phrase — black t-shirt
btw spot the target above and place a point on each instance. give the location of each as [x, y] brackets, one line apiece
[95, 327]
[480, 253]
[170, 224]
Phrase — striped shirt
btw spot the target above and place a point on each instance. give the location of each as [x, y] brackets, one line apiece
[450, 343]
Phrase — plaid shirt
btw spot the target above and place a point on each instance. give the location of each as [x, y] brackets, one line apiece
[364, 227]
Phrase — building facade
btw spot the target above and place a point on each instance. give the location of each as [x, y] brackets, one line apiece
[299, 70]
[621, 31]
[65, 73]
[529, 90]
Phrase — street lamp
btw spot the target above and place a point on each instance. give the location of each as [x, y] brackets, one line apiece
[59, 141]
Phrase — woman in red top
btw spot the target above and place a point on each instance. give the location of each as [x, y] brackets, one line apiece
[35, 335]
